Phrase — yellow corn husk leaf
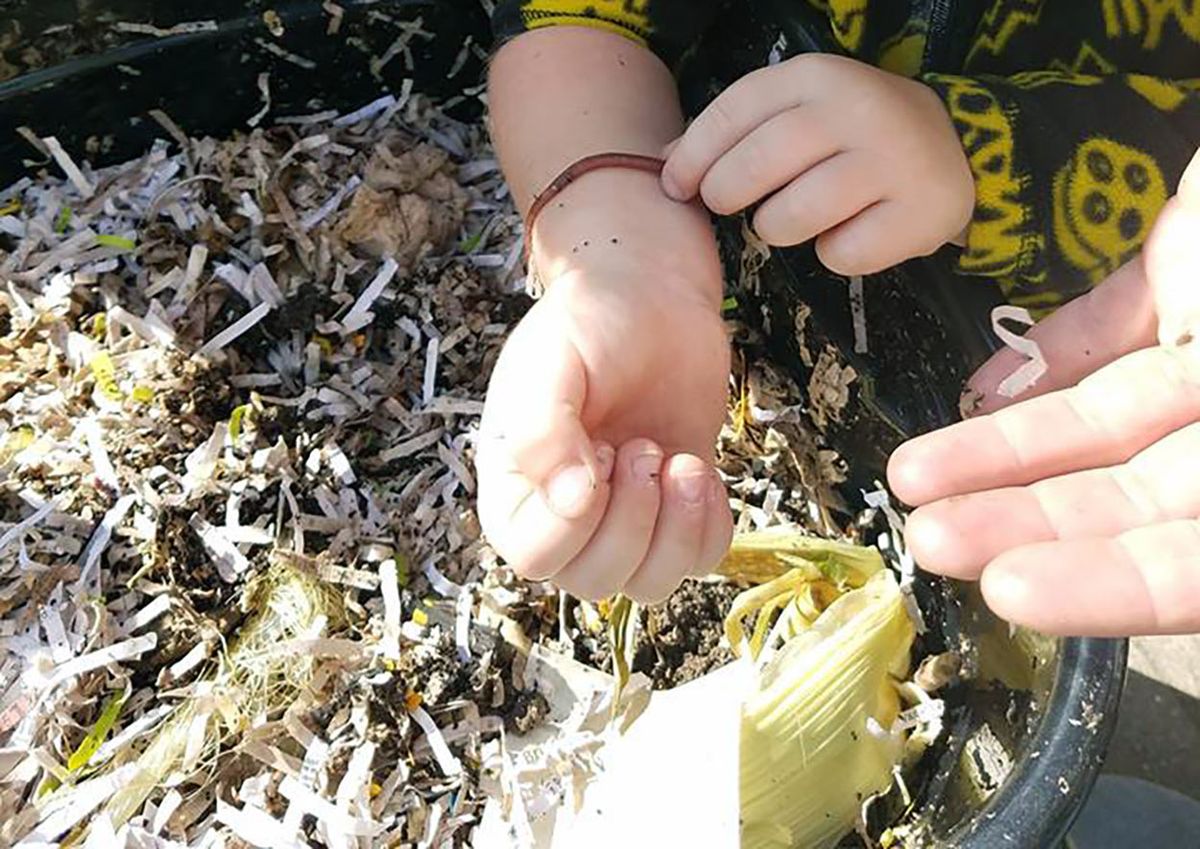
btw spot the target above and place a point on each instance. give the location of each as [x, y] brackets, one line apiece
[763, 556]
[807, 758]
[91, 743]
[622, 621]
[15, 441]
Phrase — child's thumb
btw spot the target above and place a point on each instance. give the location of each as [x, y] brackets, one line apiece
[543, 482]
[567, 467]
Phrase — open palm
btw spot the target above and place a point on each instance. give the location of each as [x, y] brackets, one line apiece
[1079, 508]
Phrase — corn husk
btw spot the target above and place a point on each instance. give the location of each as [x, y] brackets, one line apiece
[782, 747]
[814, 738]
[254, 680]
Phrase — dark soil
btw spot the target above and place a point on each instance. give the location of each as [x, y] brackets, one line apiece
[679, 640]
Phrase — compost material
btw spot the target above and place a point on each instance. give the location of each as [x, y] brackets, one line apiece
[243, 595]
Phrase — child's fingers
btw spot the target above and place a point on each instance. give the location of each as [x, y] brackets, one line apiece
[1108, 418]
[1083, 336]
[1145, 581]
[718, 530]
[520, 524]
[746, 104]
[821, 198]
[675, 548]
[959, 536]
[622, 539]
[881, 236]
[766, 160]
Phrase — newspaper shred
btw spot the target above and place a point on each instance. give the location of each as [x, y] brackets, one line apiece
[185, 561]
[185, 28]
[1029, 373]
[903, 561]
[264, 89]
[858, 313]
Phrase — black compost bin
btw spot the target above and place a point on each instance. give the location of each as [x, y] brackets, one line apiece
[1027, 733]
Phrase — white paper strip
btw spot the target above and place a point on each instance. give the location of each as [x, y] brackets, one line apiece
[330, 206]
[442, 585]
[197, 257]
[858, 312]
[880, 500]
[230, 562]
[147, 329]
[389, 588]
[325, 811]
[101, 834]
[1024, 378]
[180, 668]
[23, 527]
[102, 466]
[61, 815]
[89, 571]
[352, 788]
[229, 334]
[115, 653]
[366, 112]
[429, 384]
[449, 764]
[447, 406]
[340, 465]
[253, 825]
[52, 625]
[159, 605]
[170, 804]
[69, 167]
[360, 314]
[462, 625]
[135, 729]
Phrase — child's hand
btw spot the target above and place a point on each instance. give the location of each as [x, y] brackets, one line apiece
[866, 161]
[602, 414]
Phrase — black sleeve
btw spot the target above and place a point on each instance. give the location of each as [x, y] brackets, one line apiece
[1070, 172]
[668, 27]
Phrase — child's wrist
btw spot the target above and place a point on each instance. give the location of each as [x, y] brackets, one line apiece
[621, 217]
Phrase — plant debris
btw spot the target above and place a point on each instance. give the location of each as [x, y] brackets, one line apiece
[239, 388]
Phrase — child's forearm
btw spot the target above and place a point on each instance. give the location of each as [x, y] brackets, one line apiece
[560, 94]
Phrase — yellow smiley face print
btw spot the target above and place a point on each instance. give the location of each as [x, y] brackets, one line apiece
[1105, 201]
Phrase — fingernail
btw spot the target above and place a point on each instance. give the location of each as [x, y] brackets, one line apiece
[606, 457]
[647, 467]
[671, 187]
[969, 402]
[569, 490]
[694, 488]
